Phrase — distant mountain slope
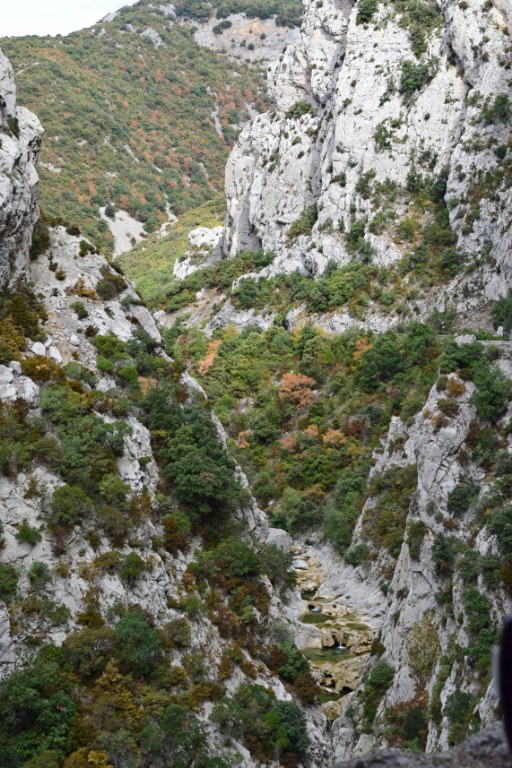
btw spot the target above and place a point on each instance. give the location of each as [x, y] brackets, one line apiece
[137, 115]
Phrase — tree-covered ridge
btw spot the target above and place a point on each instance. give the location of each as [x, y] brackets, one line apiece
[286, 12]
[130, 122]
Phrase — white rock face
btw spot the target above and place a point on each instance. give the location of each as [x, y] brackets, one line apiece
[203, 252]
[13, 385]
[153, 36]
[267, 38]
[20, 141]
[80, 276]
[125, 230]
[435, 446]
[361, 129]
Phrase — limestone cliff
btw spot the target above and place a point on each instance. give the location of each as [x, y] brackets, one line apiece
[20, 137]
[368, 99]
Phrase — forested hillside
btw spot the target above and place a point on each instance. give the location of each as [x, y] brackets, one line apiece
[137, 115]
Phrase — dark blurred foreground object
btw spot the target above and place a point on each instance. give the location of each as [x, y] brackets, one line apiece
[505, 677]
[487, 749]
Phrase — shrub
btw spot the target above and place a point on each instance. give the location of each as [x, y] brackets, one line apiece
[277, 565]
[415, 725]
[266, 726]
[500, 525]
[292, 722]
[464, 358]
[115, 523]
[366, 11]
[178, 739]
[140, 645]
[444, 550]
[12, 340]
[492, 394]
[293, 662]
[37, 712]
[219, 28]
[132, 567]
[176, 530]
[419, 344]
[39, 576]
[79, 308]
[462, 496]
[459, 709]
[384, 522]
[299, 109]
[70, 505]
[40, 240]
[469, 567]
[423, 647]
[364, 184]
[304, 224]
[502, 313]
[28, 535]
[380, 362]
[306, 688]
[196, 462]
[341, 513]
[8, 582]
[42, 369]
[295, 388]
[355, 237]
[111, 285]
[108, 562]
[482, 637]
[232, 558]
[375, 686]
[177, 633]
[500, 111]
[357, 555]
[415, 534]
[85, 248]
[247, 293]
[415, 76]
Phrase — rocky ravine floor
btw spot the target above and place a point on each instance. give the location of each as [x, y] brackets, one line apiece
[335, 634]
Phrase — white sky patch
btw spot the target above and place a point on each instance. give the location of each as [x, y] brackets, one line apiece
[53, 17]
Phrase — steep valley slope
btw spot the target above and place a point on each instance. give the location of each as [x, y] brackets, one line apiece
[271, 524]
[141, 109]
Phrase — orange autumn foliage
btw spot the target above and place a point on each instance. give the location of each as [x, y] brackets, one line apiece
[296, 388]
[242, 438]
[288, 442]
[362, 345]
[334, 437]
[146, 384]
[207, 362]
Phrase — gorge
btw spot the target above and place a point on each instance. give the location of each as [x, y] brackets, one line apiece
[255, 472]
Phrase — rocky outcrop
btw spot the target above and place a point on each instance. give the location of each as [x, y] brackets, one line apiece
[238, 36]
[415, 623]
[358, 107]
[20, 138]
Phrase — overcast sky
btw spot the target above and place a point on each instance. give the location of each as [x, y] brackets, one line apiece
[53, 17]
